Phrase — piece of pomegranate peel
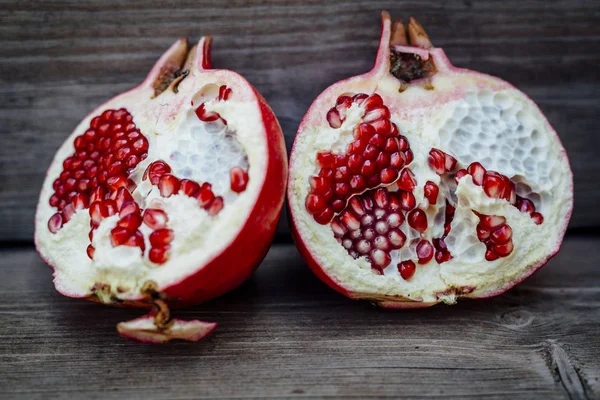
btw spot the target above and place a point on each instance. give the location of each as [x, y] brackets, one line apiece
[419, 183]
[166, 184]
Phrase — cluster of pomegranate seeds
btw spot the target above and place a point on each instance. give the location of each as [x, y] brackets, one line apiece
[496, 234]
[376, 156]
[498, 186]
[161, 238]
[370, 226]
[159, 174]
[211, 116]
[104, 157]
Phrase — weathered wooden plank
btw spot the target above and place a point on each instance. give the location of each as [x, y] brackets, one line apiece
[285, 334]
[60, 59]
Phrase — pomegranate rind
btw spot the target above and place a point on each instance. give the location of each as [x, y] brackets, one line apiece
[318, 253]
[223, 267]
[143, 330]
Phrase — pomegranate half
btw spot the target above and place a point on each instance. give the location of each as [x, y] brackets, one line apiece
[419, 182]
[166, 195]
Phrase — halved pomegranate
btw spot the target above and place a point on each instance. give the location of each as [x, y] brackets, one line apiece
[166, 195]
[419, 183]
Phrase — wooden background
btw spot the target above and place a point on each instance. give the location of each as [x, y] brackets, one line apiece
[285, 334]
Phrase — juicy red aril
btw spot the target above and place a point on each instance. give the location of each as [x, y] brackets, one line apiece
[407, 269]
[477, 171]
[370, 227]
[496, 234]
[155, 218]
[216, 206]
[136, 240]
[424, 251]
[431, 191]
[239, 179]
[90, 251]
[442, 254]
[537, 218]
[375, 157]
[161, 237]
[93, 170]
[155, 170]
[206, 196]
[55, 222]
[119, 235]
[417, 219]
[159, 255]
[122, 196]
[130, 222]
[168, 185]
[407, 180]
[129, 208]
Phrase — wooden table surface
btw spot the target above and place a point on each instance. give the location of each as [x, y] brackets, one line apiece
[284, 334]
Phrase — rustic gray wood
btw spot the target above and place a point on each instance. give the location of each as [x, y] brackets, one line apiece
[284, 334]
[60, 59]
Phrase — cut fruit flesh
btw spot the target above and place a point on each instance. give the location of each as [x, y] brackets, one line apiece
[479, 149]
[166, 183]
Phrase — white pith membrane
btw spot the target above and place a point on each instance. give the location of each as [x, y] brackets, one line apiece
[472, 117]
[194, 149]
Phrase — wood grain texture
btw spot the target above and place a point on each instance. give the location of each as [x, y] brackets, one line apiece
[284, 334]
[60, 59]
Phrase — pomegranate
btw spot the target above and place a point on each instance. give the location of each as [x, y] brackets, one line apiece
[419, 183]
[165, 196]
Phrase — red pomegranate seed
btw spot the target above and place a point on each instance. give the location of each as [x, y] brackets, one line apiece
[396, 238]
[431, 191]
[325, 159]
[492, 222]
[407, 200]
[130, 222]
[216, 206]
[206, 116]
[90, 251]
[239, 179]
[368, 168]
[501, 235]
[206, 195]
[380, 258]
[388, 175]
[155, 218]
[155, 170]
[358, 183]
[525, 205]
[189, 187]
[81, 201]
[333, 118]
[417, 219]
[407, 269]
[111, 207]
[490, 255]
[371, 102]
[119, 235]
[159, 255]
[128, 208]
[477, 171]
[482, 232]
[324, 217]
[115, 182]
[503, 250]
[397, 160]
[537, 218]
[161, 237]
[168, 185]
[315, 203]
[98, 212]
[493, 184]
[407, 180]
[122, 196]
[424, 251]
[55, 222]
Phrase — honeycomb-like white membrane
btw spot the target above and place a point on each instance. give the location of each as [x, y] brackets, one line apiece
[504, 134]
[206, 152]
